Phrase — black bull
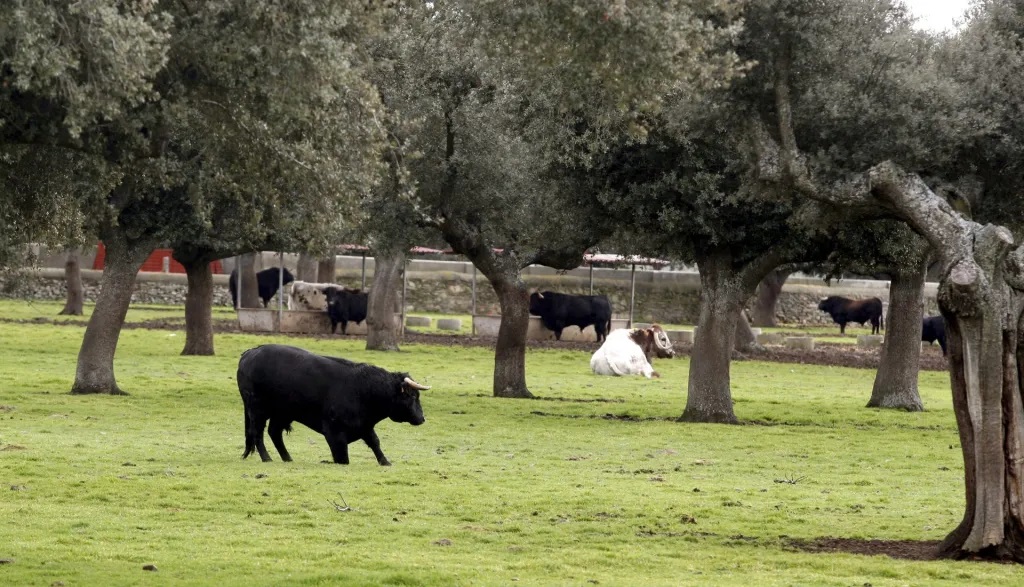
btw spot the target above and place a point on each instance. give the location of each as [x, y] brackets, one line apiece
[337, 398]
[557, 311]
[933, 328]
[844, 310]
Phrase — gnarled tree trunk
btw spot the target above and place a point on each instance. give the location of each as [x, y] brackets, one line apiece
[73, 306]
[247, 280]
[95, 370]
[510, 349]
[198, 304]
[896, 379]
[307, 268]
[382, 330]
[766, 299]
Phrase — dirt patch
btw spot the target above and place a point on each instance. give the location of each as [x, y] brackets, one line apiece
[917, 550]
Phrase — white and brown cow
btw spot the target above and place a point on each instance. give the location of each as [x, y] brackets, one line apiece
[630, 352]
[309, 296]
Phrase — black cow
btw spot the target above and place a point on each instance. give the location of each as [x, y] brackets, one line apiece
[557, 311]
[267, 282]
[337, 398]
[345, 305]
[933, 328]
[844, 310]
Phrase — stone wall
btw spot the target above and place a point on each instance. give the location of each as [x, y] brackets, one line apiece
[672, 299]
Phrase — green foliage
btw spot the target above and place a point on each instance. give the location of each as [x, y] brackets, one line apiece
[593, 482]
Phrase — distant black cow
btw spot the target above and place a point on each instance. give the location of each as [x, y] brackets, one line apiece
[337, 398]
[557, 311]
[267, 282]
[844, 310]
[345, 305]
[933, 328]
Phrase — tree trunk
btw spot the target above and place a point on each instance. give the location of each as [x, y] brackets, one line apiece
[744, 338]
[326, 269]
[95, 371]
[307, 268]
[198, 307]
[247, 280]
[73, 281]
[510, 349]
[709, 396]
[983, 328]
[896, 379]
[766, 299]
[382, 331]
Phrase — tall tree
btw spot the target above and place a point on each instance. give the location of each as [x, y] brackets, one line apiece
[75, 300]
[211, 124]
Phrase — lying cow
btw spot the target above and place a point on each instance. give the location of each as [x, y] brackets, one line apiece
[557, 311]
[309, 296]
[337, 398]
[844, 310]
[345, 305]
[933, 328]
[267, 282]
[631, 352]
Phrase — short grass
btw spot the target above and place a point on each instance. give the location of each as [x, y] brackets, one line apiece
[592, 483]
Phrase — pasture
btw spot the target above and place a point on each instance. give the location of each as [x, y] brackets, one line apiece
[591, 483]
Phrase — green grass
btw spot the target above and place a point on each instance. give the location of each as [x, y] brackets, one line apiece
[488, 492]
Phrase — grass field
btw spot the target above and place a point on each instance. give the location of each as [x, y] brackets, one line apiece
[592, 483]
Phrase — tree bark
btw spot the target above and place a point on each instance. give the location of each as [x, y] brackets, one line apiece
[896, 379]
[766, 299]
[307, 268]
[744, 339]
[198, 307]
[709, 395]
[326, 269]
[247, 279]
[95, 371]
[510, 349]
[73, 306]
[382, 331]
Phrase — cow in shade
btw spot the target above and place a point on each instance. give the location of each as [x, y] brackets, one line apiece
[267, 283]
[346, 305]
[557, 311]
[933, 328]
[844, 310]
[335, 397]
[632, 352]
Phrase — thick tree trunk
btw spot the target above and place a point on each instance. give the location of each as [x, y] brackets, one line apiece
[709, 395]
[983, 328]
[382, 331]
[73, 306]
[744, 339]
[510, 349]
[766, 299]
[896, 379]
[325, 269]
[198, 307]
[247, 279]
[307, 268]
[95, 371]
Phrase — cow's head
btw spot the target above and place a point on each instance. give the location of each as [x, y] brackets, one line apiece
[538, 303]
[662, 345]
[825, 305]
[405, 406]
[286, 276]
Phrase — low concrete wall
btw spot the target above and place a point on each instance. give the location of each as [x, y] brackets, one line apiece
[294, 321]
[662, 296]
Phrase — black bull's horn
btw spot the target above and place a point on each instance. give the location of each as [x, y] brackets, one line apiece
[408, 381]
